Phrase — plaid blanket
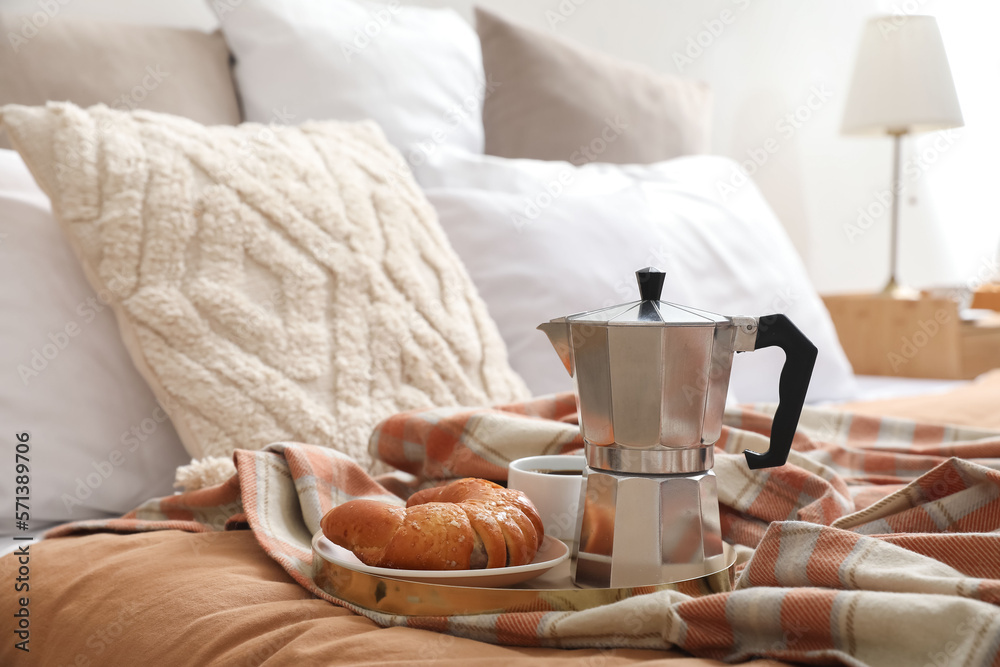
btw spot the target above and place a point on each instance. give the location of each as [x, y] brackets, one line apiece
[878, 543]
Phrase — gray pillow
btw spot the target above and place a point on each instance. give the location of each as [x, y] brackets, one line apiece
[180, 72]
[551, 99]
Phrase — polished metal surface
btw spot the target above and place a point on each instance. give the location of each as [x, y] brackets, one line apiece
[746, 333]
[553, 591]
[718, 382]
[638, 530]
[651, 388]
[635, 361]
[590, 359]
[652, 379]
[649, 313]
[686, 354]
[650, 462]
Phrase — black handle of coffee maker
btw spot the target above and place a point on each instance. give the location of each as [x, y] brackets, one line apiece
[800, 358]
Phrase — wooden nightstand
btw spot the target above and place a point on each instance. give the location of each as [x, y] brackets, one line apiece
[922, 338]
[987, 296]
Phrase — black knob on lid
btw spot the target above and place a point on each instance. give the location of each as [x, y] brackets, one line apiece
[650, 283]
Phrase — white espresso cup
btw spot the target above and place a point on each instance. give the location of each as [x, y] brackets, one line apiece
[553, 484]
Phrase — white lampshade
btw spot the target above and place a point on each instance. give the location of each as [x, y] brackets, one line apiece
[902, 81]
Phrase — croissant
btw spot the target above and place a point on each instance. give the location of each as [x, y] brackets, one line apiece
[468, 524]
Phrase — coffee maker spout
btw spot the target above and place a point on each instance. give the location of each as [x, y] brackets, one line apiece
[558, 332]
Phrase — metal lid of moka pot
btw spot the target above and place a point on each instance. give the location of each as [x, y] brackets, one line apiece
[650, 311]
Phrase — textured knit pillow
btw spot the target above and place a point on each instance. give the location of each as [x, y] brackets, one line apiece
[556, 100]
[270, 283]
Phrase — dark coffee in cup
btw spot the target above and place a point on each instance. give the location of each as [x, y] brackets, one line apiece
[553, 483]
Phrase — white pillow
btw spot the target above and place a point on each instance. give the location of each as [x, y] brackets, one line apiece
[99, 443]
[418, 72]
[545, 239]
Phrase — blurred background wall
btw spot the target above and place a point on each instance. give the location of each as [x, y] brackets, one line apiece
[780, 69]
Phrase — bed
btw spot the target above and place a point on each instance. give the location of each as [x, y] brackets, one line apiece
[351, 232]
[219, 599]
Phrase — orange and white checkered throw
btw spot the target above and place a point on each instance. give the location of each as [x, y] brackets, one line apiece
[877, 544]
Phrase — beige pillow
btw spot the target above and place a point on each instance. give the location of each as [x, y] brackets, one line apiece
[182, 72]
[270, 283]
[551, 99]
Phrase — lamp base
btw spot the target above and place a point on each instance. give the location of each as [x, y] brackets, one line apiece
[894, 290]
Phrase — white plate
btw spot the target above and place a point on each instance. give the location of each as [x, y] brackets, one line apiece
[550, 553]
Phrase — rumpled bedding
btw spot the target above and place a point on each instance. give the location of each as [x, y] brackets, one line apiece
[877, 544]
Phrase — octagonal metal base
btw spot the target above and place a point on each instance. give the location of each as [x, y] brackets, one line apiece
[640, 530]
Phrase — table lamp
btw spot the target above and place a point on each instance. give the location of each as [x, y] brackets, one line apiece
[902, 83]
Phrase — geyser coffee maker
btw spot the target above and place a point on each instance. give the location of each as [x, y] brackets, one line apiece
[652, 379]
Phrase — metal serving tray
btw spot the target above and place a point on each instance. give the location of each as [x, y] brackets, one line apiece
[552, 591]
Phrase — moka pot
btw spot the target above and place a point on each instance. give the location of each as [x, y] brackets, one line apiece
[652, 379]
